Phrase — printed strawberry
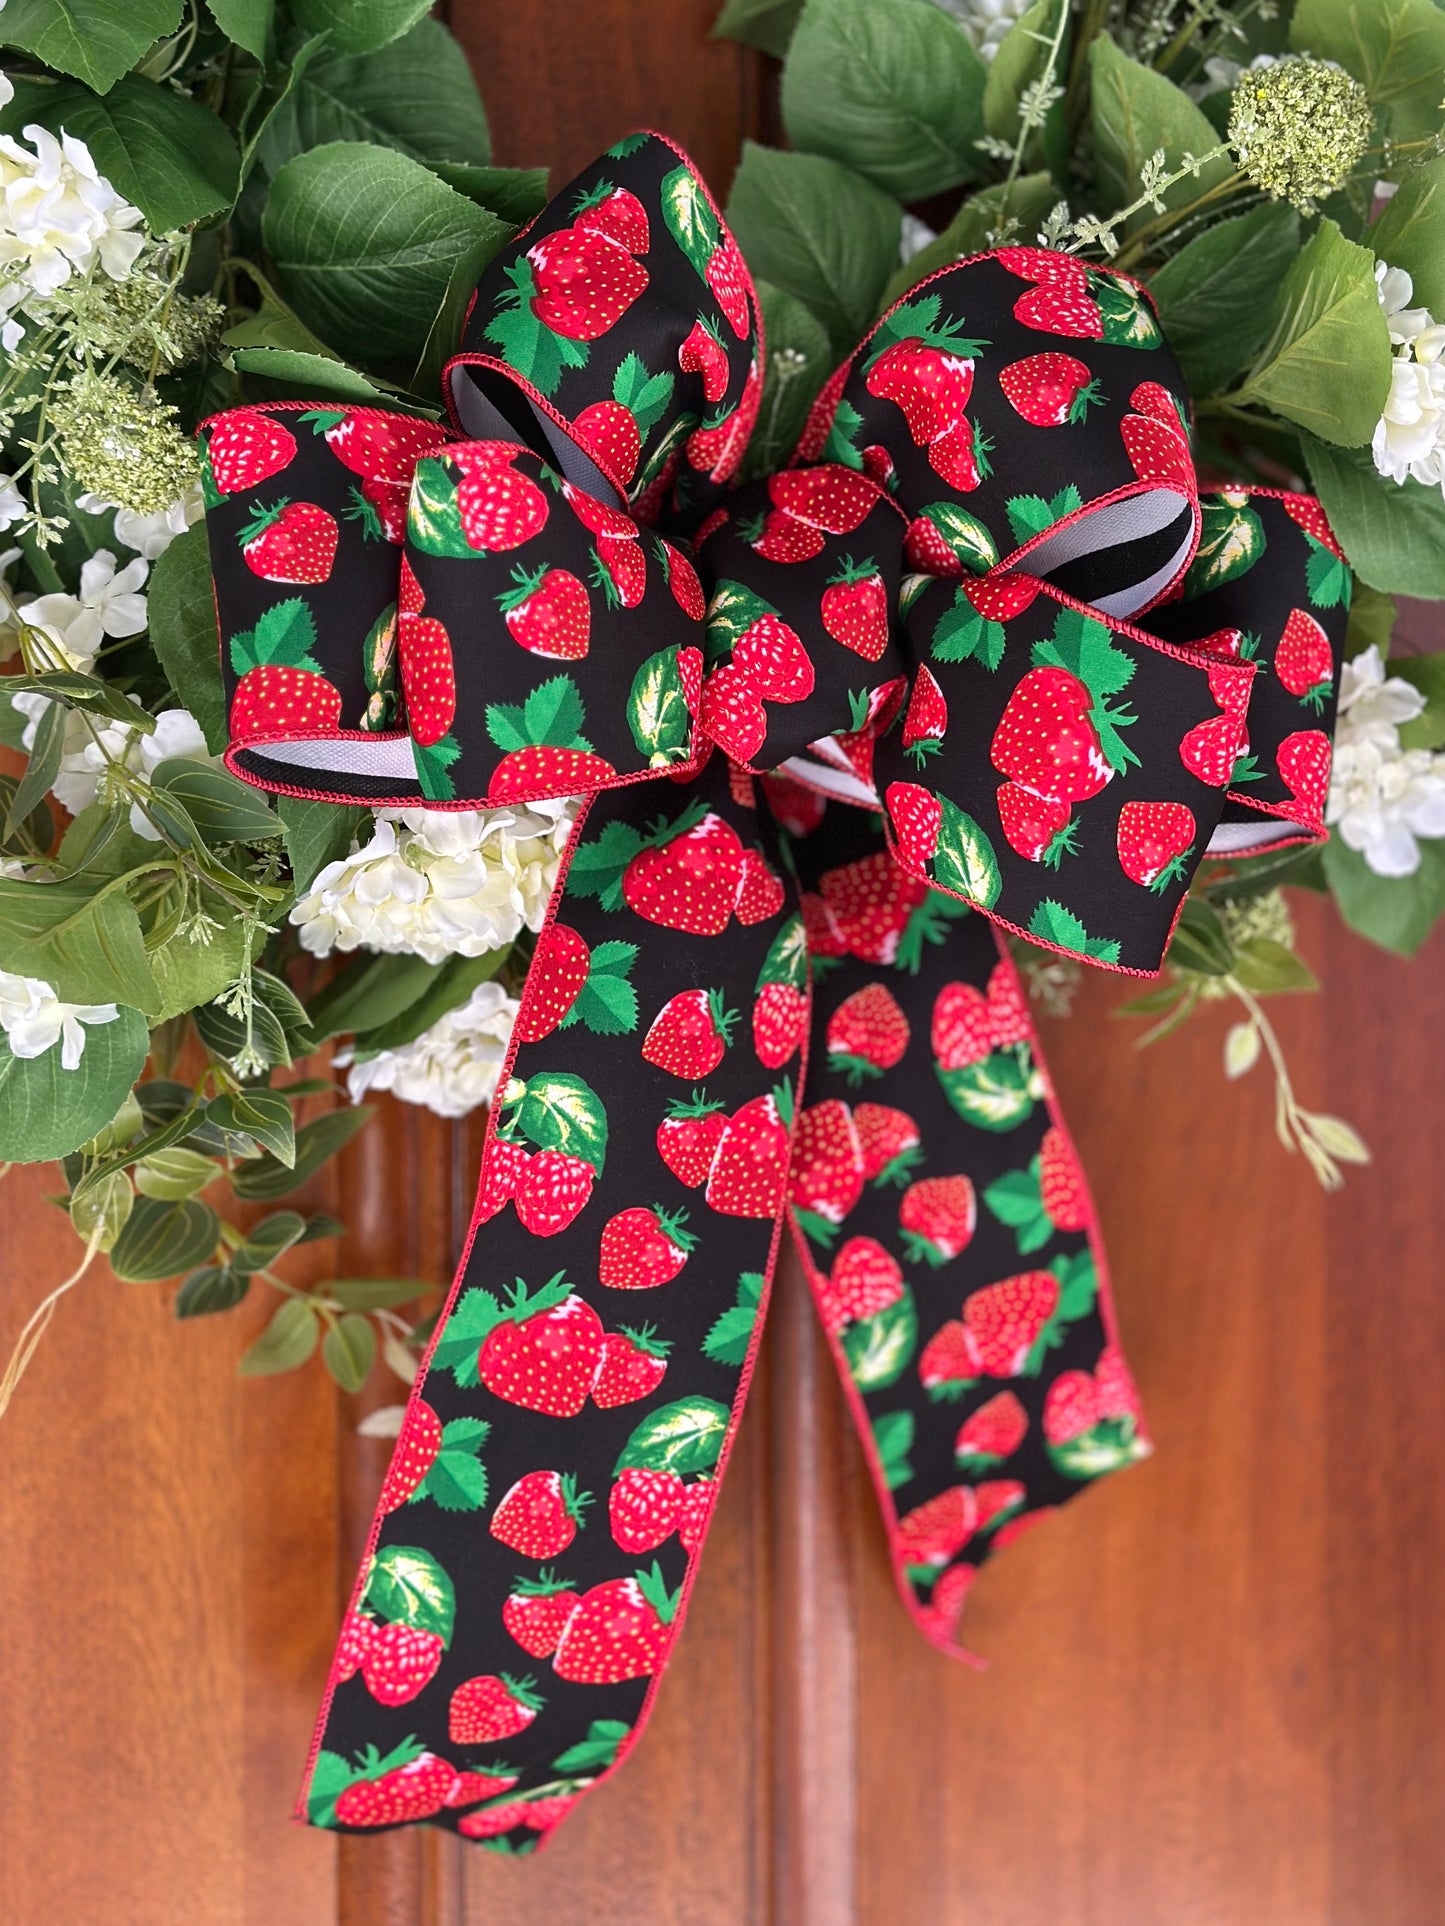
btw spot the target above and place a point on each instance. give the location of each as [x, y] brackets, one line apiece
[1310, 516]
[620, 1630]
[1153, 839]
[644, 1507]
[245, 448]
[547, 611]
[407, 1785]
[1038, 828]
[688, 1139]
[690, 1034]
[944, 1611]
[924, 367]
[993, 1433]
[1064, 308]
[1091, 1423]
[1049, 390]
[289, 542]
[504, 1164]
[998, 1499]
[584, 279]
[925, 721]
[552, 1189]
[1005, 1321]
[962, 1028]
[1059, 735]
[937, 1531]
[401, 1661]
[615, 212]
[697, 1503]
[732, 712]
[728, 278]
[545, 769]
[682, 580]
[544, 750]
[560, 967]
[827, 1173]
[613, 431]
[1158, 451]
[961, 457]
[917, 817]
[491, 1707]
[1008, 1007]
[1016, 1527]
[353, 1643]
[1211, 749]
[1153, 398]
[760, 890]
[945, 1364]
[780, 1020]
[703, 353]
[538, 1815]
[634, 1363]
[865, 1279]
[498, 508]
[867, 1033]
[546, 1349]
[620, 568]
[540, 1515]
[1046, 265]
[1303, 760]
[417, 1445]
[643, 1248]
[688, 878]
[1304, 660]
[826, 496]
[936, 1217]
[773, 658]
[471, 1786]
[376, 443]
[947, 540]
[750, 1170]
[428, 677]
[825, 939]
[536, 1614]
[854, 607]
[277, 700]
[888, 1140]
[1061, 1183]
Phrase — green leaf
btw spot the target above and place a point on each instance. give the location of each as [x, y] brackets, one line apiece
[102, 1211]
[657, 711]
[1200, 941]
[473, 1317]
[223, 808]
[408, 1586]
[1216, 293]
[316, 833]
[319, 375]
[994, 1094]
[558, 1111]
[348, 1351]
[162, 1238]
[1231, 541]
[359, 26]
[880, 1348]
[893, 1440]
[448, 986]
[250, 23]
[1397, 912]
[819, 232]
[86, 945]
[457, 1481]
[513, 194]
[1270, 968]
[47, 1111]
[964, 859]
[267, 1241]
[1135, 112]
[1396, 47]
[166, 153]
[1410, 233]
[684, 1438]
[95, 40]
[891, 88]
[42, 768]
[174, 1173]
[215, 1287]
[604, 1736]
[1326, 364]
[444, 335]
[181, 608]
[267, 1178]
[1393, 533]
[765, 24]
[287, 1341]
[373, 1293]
[1023, 202]
[263, 1115]
[368, 992]
[364, 240]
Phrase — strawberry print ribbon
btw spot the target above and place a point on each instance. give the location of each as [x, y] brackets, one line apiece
[980, 659]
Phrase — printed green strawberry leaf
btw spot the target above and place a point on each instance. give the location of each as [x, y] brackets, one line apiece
[964, 859]
[434, 522]
[527, 344]
[456, 1482]
[1030, 515]
[597, 1751]
[473, 1317]
[964, 535]
[731, 611]
[286, 634]
[689, 217]
[552, 714]
[1078, 1285]
[1015, 1200]
[1128, 320]
[558, 1111]
[728, 1340]
[787, 957]
[330, 1777]
[927, 924]
[433, 760]
[657, 711]
[1231, 541]
[1084, 646]
[685, 1438]
[842, 445]
[655, 460]
[598, 867]
[643, 395]
[961, 633]
[878, 1349]
[1052, 923]
[1327, 577]
[994, 1094]
[893, 1440]
[607, 1002]
[465, 1434]
[918, 321]
[408, 1586]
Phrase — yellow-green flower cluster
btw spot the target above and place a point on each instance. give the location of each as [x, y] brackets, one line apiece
[121, 443]
[1298, 128]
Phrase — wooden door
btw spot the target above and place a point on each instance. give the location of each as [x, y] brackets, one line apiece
[1215, 1688]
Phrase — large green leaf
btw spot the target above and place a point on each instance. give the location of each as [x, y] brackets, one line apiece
[559, 1111]
[95, 40]
[1410, 234]
[1397, 912]
[190, 974]
[250, 23]
[447, 986]
[1393, 533]
[47, 1111]
[1136, 112]
[766, 24]
[360, 26]
[684, 1438]
[182, 610]
[87, 946]
[891, 88]
[364, 240]
[1016, 207]
[1216, 294]
[316, 833]
[1326, 363]
[407, 1584]
[161, 1239]
[266, 1178]
[287, 1341]
[223, 808]
[1396, 47]
[317, 374]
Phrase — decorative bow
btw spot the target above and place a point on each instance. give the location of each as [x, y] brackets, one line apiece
[930, 614]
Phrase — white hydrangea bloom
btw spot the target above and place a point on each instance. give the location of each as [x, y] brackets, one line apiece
[58, 217]
[1409, 438]
[986, 21]
[12, 502]
[149, 535]
[438, 883]
[913, 236]
[86, 757]
[453, 1067]
[109, 604]
[1221, 75]
[1383, 798]
[35, 1020]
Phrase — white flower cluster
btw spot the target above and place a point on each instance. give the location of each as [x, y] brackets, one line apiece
[149, 535]
[35, 1020]
[109, 604]
[1410, 437]
[986, 21]
[453, 1067]
[1382, 796]
[93, 749]
[437, 883]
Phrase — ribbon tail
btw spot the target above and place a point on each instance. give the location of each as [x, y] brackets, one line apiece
[542, 1522]
[946, 1228]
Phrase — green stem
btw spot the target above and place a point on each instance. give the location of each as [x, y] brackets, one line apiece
[1155, 230]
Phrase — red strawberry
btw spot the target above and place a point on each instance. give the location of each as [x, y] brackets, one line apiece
[585, 281]
[867, 1033]
[888, 1140]
[961, 457]
[930, 385]
[686, 588]
[621, 571]
[1152, 398]
[732, 712]
[937, 1217]
[690, 1034]
[821, 925]
[539, 1815]
[781, 537]
[536, 1614]
[548, 612]
[750, 1171]
[1304, 660]
[275, 699]
[499, 509]
[375, 443]
[780, 1018]
[935, 1532]
[554, 982]
[1306, 511]
[703, 353]
[428, 676]
[1016, 1527]
[728, 278]
[552, 1190]
[773, 658]
[290, 542]
[760, 890]
[1061, 1183]
[925, 722]
[994, 1432]
[1061, 309]
[408, 1792]
[546, 1352]
[945, 1364]
[997, 1498]
[634, 1363]
[854, 608]
[643, 1508]
[1210, 749]
[962, 1028]
[865, 1278]
[491, 1707]
[1036, 827]
[1046, 741]
[400, 1661]
[621, 1630]
[598, 517]
[1000, 597]
[618, 214]
[1158, 452]
[697, 1504]
[353, 1644]
[1049, 389]
[643, 1248]
[1303, 760]
[1091, 1424]
[688, 1139]
[1004, 1321]
[417, 1445]
[544, 770]
[827, 496]
[946, 1601]
[1231, 684]
[1153, 840]
[827, 1172]
[471, 1786]
[539, 1516]
[609, 433]
[1044, 264]
[916, 815]
[246, 448]
[689, 882]
[411, 598]
[1008, 1007]
[504, 1164]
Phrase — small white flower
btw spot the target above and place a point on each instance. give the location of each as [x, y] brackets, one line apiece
[35, 1020]
[986, 21]
[109, 603]
[149, 535]
[453, 1067]
[1383, 797]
